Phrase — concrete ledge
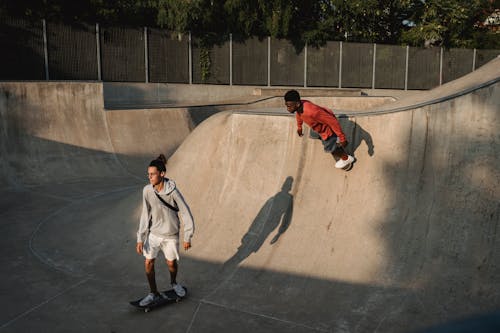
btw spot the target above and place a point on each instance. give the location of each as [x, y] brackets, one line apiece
[309, 92]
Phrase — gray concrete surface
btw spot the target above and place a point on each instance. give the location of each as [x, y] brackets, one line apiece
[285, 242]
[130, 93]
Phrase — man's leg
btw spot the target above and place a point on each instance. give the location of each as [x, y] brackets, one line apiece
[150, 274]
[343, 159]
[339, 153]
[172, 268]
[331, 146]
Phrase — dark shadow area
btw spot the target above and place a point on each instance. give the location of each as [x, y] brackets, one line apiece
[119, 95]
[442, 234]
[76, 165]
[93, 240]
[28, 160]
[66, 40]
[125, 97]
[201, 113]
[355, 135]
[22, 55]
[110, 272]
[276, 212]
[487, 323]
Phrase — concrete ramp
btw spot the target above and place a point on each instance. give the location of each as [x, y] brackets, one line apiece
[284, 242]
[406, 239]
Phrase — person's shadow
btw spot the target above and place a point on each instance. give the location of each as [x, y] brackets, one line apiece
[355, 134]
[277, 211]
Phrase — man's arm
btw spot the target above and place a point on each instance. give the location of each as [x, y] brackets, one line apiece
[329, 119]
[299, 120]
[186, 217]
[144, 220]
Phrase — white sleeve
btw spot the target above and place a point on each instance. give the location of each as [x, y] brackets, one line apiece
[142, 233]
[185, 215]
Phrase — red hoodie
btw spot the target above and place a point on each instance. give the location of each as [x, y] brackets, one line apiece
[321, 120]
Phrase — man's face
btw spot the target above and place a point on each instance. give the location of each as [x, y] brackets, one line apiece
[292, 106]
[155, 176]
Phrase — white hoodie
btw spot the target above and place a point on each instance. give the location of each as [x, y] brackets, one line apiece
[164, 221]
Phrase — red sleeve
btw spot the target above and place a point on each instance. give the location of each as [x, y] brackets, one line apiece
[333, 123]
[299, 120]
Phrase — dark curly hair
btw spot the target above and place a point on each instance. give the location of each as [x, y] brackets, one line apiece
[160, 163]
[292, 96]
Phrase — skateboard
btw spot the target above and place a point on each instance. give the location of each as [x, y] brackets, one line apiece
[166, 297]
[348, 167]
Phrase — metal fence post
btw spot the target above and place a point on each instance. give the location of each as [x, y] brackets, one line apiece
[474, 60]
[406, 69]
[45, 50]
[269, 61]
[146, 60]
[305, 65]
[441, 67]
[98, 47]
[190, 59]
[374, 63]
[340, 66]
[230, 59]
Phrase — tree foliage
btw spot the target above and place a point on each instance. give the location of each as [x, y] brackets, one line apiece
[448, 23]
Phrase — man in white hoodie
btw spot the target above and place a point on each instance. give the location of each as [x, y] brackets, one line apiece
[162, 205]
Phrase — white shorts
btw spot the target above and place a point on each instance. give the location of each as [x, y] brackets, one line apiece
[154, 244]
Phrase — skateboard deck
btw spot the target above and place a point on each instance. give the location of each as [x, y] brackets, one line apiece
[167, 297]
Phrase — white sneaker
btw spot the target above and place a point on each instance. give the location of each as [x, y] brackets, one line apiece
[342, 164]
[179, 290]
[150, 298]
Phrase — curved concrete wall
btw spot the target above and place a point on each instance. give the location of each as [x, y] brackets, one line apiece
[63, 126]
[404, 240]
[53, 132]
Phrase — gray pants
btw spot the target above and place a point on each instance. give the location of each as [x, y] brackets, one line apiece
[330, 144]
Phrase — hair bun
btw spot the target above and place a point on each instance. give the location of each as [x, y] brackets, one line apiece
[162, 158]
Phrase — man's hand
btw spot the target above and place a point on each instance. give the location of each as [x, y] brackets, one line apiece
[187, 245]
[299, 132]
[342, 144]
[138, 247]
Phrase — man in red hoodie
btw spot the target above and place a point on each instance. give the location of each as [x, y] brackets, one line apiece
[322, 121]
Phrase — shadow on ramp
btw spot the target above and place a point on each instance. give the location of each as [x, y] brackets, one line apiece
[277, 211]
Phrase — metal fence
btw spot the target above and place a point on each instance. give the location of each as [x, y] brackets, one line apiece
[49, 51]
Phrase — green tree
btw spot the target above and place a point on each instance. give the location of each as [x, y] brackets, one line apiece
[119, 12]
[245, 18]
[448, 23]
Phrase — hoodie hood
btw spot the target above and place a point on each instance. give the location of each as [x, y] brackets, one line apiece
[169, 186]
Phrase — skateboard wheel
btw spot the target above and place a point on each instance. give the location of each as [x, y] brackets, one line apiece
[146, 310]
[347, 168]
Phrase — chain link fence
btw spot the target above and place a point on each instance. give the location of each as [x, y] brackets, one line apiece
[390, 66]
[48, 51]
[73, 52]
[168, 56]
[211, 65]
[250, 62]
[22, 56]
[323, 65]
